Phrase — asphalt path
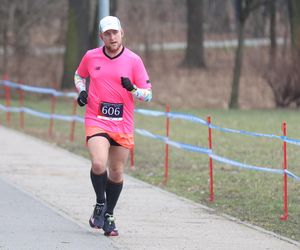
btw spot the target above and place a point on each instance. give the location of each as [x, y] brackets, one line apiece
[46, 199]
[27, 223]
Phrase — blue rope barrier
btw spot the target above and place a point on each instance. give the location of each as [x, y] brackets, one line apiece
[210, 153]
[243, 132]
[297, 178]
[164, 139]
[39, 90]
[42, 114]
[179, 145]
[172, 115]
[245, 166]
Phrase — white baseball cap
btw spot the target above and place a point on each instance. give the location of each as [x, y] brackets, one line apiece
[109, 23]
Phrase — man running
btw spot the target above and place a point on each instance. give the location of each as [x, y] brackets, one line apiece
[117, 75]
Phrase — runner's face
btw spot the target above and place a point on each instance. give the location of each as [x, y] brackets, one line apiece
[112, 40]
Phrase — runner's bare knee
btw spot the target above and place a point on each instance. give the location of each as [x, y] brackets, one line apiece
[98, 166]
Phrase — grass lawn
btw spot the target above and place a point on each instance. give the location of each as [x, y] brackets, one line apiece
[252, 196]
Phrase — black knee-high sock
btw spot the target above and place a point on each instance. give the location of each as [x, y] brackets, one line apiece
[113, 191]
[99, 184]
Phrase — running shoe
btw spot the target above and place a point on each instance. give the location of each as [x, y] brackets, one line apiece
[109, 226]
[97, 218]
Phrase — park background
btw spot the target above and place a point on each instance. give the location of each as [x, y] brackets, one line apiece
[234, 60]
[188, 47]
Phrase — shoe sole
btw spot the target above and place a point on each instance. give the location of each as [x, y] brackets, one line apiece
[112, 233]
[93, 225]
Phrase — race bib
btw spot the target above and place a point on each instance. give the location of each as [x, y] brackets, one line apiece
[111, 111]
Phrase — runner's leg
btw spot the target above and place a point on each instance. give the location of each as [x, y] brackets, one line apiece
[98, 148]
[117, 158]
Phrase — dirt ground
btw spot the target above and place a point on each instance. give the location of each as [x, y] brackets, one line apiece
[209, 87]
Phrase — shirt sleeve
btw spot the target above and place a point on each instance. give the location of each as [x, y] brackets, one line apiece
[79, 82]
[141, 78]
[82, 69]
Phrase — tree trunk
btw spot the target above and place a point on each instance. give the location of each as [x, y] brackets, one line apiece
[237, 67]
[194, 56]
[243, 10]
[4, 45]
[22, 37]
[259, 23]
[273, 48]
[294, 9]
[113, 7]
[94, 34]
[77, 39]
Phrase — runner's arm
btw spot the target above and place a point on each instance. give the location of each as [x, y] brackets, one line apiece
[142, 94]
[79, 82]
[81, 88]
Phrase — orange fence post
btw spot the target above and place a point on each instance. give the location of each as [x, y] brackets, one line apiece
[21, 104]
[211, 176]
[132, 167]
[72, 130]
[7, 99]
[51, 124]
[167, 146]
[4, 77]
[285, 184]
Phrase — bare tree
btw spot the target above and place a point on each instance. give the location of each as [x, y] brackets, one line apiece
[284, 80]
[18, 20]
[94, 18]
[284, 76]
[243, 9]
[294, 14]
[4, 28]
[77, 40]
[82, 34]
[194, 56]
[218, 16]
[113, 7]
[273, 25]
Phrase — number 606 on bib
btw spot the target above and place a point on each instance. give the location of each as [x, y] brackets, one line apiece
[110, 111]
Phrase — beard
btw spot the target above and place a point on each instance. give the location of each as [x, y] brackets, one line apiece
[113, 48]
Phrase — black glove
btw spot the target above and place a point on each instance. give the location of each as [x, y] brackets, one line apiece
[126, 83]
[82, 98]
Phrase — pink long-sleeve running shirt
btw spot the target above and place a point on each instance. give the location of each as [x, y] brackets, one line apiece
[110, 106]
